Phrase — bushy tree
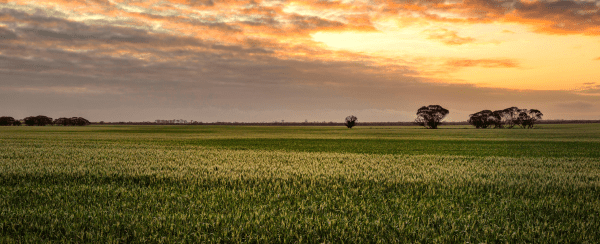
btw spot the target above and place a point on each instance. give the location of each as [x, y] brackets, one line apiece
[7, 121]
[431, 116]
[528, 118]
[79, 121]
[62, 121]
[480, 119]
[350, 121]
[486, 119]
[506, 118]
[496, 119]
[510, 116]
[29, 121]
[39, 120]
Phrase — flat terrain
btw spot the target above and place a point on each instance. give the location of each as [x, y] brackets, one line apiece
[300, 184]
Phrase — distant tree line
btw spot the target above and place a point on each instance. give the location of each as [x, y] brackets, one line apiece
[42, 120]
[431, 117]
[428, 116]
[507, 118]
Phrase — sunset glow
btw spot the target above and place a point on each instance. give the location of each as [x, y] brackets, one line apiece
[490, 55]
[272, 60]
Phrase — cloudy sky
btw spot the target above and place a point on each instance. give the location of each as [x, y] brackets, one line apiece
[223, 60]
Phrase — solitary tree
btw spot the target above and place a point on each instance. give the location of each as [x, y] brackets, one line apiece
[431, 116]
[350, 121]
[7, 121]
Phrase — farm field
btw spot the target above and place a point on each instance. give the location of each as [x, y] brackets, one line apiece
[300, 184]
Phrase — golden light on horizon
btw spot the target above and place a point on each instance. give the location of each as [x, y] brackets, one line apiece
[537, 61]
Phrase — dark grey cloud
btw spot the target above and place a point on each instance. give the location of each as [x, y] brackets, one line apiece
[6, 34]
[577, 105]
[87, 34]
[33, 65]
[550, 16]
[567, 16]
[36, 27]
[277, 85]
[72, 33]
[562, 16]
[271, 90]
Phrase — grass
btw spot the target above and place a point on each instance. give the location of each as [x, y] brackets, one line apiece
[299, 184]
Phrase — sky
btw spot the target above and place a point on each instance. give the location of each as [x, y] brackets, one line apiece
[263, 61]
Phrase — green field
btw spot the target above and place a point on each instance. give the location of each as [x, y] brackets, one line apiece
[300, 184]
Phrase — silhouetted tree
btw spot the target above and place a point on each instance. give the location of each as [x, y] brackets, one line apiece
[431, 116]
[7, 121]
[39, 120]
[527, 118]
[496, 119]
[510, 116]
[486, 118]
[481, 119]
[17, 123]
[43, 120]
[62, 121]
[30, 121]
[350, 121]
[475, 120]
[79, 121]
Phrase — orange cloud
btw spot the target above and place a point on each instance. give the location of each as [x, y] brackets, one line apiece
[556, 17]
[333, 5]
[448, 37]
[485, 63]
